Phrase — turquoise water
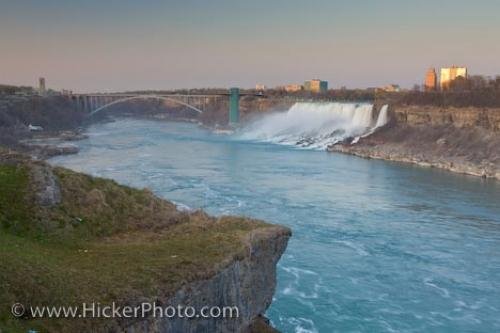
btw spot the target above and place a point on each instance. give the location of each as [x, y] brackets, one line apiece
[376, 246]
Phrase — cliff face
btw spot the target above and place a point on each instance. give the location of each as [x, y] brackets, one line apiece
[485, 118]
[248, 284]
[67, 239]
[462, 140]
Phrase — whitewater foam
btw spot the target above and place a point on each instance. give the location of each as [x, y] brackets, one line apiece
[315, 125]
[383, 116]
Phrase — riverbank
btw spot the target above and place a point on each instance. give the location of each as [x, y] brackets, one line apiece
[68, 238]
[45, 145]
[461, 140]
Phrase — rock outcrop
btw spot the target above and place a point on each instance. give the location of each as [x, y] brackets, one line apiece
[247, 284]
[45, 185]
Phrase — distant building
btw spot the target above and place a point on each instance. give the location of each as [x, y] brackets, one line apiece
[430, 83]
[451, 73]
[392, 88]
[316, 86]
[41, 86]
[260, 87]
[293, 87]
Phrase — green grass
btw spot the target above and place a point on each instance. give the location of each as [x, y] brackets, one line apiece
[104, 242]
[95, 207]
[14, 212]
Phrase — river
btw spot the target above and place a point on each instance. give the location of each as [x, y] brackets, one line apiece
[377, 246]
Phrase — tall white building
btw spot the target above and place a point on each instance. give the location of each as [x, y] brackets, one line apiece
[449, 74]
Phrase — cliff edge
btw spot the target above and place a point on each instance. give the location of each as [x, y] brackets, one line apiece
[67, 238]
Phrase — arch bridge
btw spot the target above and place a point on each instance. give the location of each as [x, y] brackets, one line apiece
[95, 103]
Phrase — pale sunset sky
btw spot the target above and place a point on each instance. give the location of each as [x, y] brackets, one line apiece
[99, 45]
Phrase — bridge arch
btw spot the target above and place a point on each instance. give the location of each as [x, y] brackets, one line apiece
[129, 98]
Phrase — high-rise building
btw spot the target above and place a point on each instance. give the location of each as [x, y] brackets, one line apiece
[451, 73]
[41, 86]
[316, 86]
[430, 83]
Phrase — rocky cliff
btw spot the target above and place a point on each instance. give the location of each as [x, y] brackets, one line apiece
[462, 140]
[468, 117]
[248, 284]
[67, 239]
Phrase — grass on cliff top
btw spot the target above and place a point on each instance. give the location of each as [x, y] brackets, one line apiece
[13, 187]
[104, 242]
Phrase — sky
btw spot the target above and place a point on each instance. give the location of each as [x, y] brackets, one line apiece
[117, 45]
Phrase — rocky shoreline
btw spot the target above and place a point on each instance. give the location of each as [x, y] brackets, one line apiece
[465, 141]
[46, 145]
[486, 170]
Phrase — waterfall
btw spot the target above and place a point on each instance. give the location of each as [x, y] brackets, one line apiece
[314, 125]
[383, 117]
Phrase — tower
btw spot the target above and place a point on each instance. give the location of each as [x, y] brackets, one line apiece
[41, 86]
[234, 105]
[430, 83]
